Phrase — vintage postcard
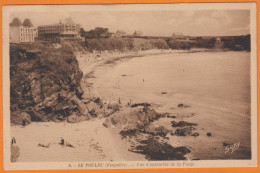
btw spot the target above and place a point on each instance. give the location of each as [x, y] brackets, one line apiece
[129, 86]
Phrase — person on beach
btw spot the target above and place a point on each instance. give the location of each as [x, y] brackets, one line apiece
[13, 141]
[23, 122]
[62, 141]
[129, 103]
[119, 101]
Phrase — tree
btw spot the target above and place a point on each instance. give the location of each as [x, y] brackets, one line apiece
[98, 33]
[82, 32]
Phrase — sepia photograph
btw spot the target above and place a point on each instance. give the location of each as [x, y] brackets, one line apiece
[130, 86]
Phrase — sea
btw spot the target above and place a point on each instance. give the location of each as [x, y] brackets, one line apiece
[214, 88]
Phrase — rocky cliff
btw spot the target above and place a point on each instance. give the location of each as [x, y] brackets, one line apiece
[45, 84]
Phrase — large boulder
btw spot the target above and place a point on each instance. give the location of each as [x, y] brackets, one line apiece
[18, 117]
[35, 116]
[15, 153]
[135, 119]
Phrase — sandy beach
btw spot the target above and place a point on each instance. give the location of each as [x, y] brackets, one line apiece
[91, 141]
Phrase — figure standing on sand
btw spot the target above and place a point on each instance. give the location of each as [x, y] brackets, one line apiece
[13, 141]
[119, 101]
[62, 141]
[23, 122]
[129, 103]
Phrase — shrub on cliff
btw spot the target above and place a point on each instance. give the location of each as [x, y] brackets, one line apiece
[120, 44]
[179, 45]
[159, 44]
[237, 43]
[125, 44]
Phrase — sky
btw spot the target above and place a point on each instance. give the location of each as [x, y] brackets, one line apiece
[152, 23]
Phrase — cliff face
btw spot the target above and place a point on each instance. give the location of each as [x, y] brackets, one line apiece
[45, 84]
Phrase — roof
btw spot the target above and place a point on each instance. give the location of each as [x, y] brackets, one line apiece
[120, 32]
[16, 22]
[27, 23]
[69, 21]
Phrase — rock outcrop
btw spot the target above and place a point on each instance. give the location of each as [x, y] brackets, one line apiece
[45, 83]
[157, 150]
[132, 118]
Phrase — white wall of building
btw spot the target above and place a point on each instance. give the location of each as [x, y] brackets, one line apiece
[14, 34]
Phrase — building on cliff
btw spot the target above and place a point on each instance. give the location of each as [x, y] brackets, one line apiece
[180, 36]
[68, 31]
[119, 33]
[22, 32]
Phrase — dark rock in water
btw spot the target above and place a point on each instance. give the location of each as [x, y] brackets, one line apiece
[155, 150]
[209, 134]
[195, 134]
[182, 124]
[183, 132]
[163, 92]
